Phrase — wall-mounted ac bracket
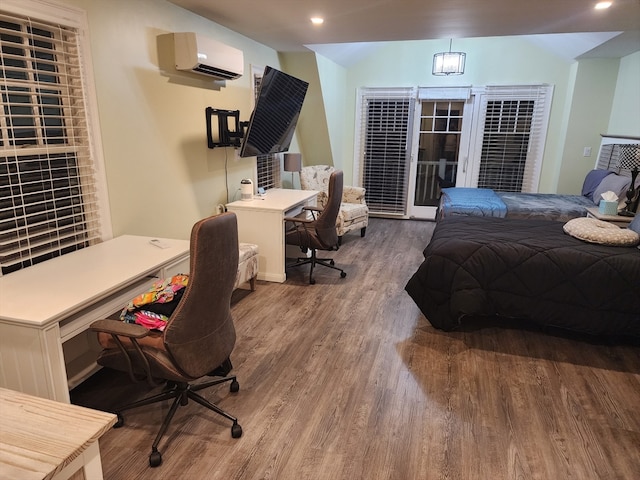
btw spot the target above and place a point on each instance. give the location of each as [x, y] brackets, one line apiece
[226, 136]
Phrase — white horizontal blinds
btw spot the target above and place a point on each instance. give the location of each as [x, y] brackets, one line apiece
[514, 121]
[385, 151]
[609, 157]
[269, 171]
[48, 200]
[268, 166]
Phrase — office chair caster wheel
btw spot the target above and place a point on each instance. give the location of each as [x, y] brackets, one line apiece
[155, 458]
[234, 387]
[312, 281]
[236, 431]
[119, 422]
[331, 262]
[343, 274]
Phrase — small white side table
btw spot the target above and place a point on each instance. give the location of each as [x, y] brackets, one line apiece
[593, 212]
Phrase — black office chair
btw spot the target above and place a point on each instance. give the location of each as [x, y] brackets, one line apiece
[199, 335]
[319, 231]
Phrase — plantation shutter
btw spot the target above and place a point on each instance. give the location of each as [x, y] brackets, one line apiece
[514, 123]
[268, 167]
[609, 157]
[384, 146]
[48, 194]
[269, 171]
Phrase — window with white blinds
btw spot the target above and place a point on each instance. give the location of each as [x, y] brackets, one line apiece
[268, 167]
[384, 147]
[514, 124]
[48, 195]
[269, 175]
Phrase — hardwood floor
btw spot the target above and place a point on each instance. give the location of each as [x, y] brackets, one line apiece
[346, 379]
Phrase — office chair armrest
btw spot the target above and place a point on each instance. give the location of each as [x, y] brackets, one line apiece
[118, 327]
[313, 209]
[298, 219]
[133, 332]
[304, 218]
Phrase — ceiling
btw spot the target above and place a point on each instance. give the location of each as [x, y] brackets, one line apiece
[285, 26]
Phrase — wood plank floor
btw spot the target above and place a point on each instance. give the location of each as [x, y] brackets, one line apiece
[346, 379]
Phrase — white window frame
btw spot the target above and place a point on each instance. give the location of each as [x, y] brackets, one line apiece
[380, 203]
[67, 16]
[542, 94]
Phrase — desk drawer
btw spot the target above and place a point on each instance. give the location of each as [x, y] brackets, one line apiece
[79, 322]
[180, 266]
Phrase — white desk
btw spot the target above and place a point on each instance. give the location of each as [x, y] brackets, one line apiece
[51, 305]
[261, 221]
[44, 439]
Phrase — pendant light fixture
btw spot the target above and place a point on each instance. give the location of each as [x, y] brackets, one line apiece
[448, 63]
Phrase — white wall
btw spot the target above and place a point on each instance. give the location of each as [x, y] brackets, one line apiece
[625, 112]
[588, 108]
[161, 175]
[582, 107]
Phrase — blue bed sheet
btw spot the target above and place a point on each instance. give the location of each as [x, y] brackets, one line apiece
[480, 202]
[485, 202]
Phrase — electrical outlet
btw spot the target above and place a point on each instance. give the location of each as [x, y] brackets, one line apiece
[586, 152]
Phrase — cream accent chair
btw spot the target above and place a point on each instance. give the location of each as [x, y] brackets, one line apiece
[247, 265]
[354, 213]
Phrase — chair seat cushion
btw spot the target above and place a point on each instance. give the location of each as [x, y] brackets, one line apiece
[352, 211]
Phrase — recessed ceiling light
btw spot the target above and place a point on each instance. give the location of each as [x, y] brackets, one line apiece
[317, 20]
[603, 5]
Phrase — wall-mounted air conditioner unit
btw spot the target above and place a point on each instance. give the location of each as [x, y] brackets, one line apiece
[199, 54]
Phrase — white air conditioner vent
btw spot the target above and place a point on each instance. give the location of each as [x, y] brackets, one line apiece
[199, 54]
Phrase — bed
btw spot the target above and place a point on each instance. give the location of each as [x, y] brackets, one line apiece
[484, 202]
[530, 270]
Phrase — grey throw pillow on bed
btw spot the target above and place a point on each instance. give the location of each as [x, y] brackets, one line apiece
[615, 183]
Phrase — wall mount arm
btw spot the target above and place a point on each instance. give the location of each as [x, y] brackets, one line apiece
[226, 137]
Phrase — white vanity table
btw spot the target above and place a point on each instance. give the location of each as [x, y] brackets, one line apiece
[46, 309]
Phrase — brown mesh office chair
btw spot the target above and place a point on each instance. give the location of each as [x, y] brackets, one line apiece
[319, 231]
[199, 335]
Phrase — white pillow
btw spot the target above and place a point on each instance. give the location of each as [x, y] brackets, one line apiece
[593, 230]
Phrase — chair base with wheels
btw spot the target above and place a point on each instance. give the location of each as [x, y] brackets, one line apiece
[181, 392]
[313, 260]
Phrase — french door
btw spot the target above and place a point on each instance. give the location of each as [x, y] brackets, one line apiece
[440, 147]
[412, 142]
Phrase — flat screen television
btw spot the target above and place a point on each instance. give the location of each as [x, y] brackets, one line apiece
[275, 114]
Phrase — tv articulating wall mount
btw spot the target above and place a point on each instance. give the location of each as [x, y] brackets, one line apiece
[226, 119]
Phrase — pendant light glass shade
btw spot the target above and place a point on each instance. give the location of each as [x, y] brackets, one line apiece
[448, 63]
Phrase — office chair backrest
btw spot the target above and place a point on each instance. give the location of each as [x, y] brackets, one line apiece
[200, 334]
[326, 222]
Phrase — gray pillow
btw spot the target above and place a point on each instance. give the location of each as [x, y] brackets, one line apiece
[635, 223]
[615, 183]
